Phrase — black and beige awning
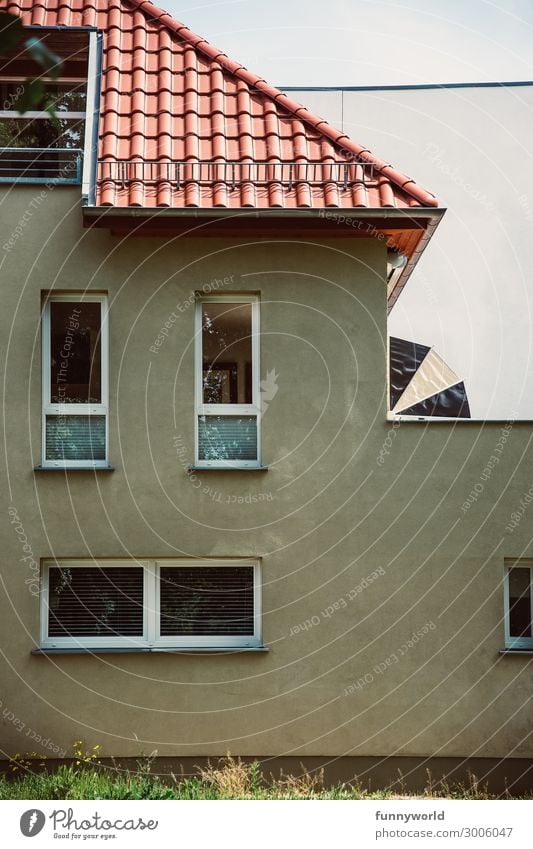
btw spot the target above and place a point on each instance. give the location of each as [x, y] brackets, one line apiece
[422, 384]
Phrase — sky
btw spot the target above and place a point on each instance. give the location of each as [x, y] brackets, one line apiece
[368, 42]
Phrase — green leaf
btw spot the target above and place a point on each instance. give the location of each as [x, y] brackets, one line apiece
[49, 62]
[11, 32]
[31, 97]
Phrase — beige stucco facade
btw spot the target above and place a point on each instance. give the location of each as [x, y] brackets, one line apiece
[361, 525]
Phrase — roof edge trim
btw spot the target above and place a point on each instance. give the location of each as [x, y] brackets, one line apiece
[406, 86]
[412, 213]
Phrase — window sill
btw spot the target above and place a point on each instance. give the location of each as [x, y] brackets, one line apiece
[175, 650]
[227, 468]
[73, 468]
[517, 651]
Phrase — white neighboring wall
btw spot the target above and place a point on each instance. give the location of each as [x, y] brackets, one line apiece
[472, 292]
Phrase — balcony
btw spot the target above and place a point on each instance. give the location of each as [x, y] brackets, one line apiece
[41, 165]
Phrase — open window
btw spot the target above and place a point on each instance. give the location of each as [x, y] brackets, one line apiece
[75, 381]
[227, 382]
[519, 605]
[151, 604]
[53, 143]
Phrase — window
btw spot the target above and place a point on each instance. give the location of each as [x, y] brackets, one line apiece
[519, 605]
[37, 146]
[59, 145]
[151, 604]
[75, 355]
[227, 382]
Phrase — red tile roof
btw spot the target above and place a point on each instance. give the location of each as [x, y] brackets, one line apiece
[182, 125]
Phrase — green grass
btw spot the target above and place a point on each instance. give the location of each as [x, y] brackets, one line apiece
[30, 777]
[68, 783]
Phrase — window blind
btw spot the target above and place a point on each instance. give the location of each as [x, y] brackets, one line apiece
[227, 438]
[75, 437]
[93, 601]
[207, 601]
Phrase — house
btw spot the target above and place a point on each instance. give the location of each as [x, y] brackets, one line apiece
[215, 537]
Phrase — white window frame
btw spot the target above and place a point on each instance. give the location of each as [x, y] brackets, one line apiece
[253, 409]
[92, 115]
[89, 642]
[151, 638]
[49, 409]
[517, 642]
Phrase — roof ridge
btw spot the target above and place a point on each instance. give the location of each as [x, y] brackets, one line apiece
[402, 181]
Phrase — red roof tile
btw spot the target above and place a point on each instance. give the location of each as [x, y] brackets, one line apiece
[219, 135]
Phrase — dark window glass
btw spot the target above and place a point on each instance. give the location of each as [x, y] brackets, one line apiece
[67, 97]
[227, 353]
[520, 602]
[207, 601]
[75, 352]
[63, 97]
[42, 132]
[92, 602]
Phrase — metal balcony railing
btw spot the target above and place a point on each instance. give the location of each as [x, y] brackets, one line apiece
[40, 165]
[233, 174]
